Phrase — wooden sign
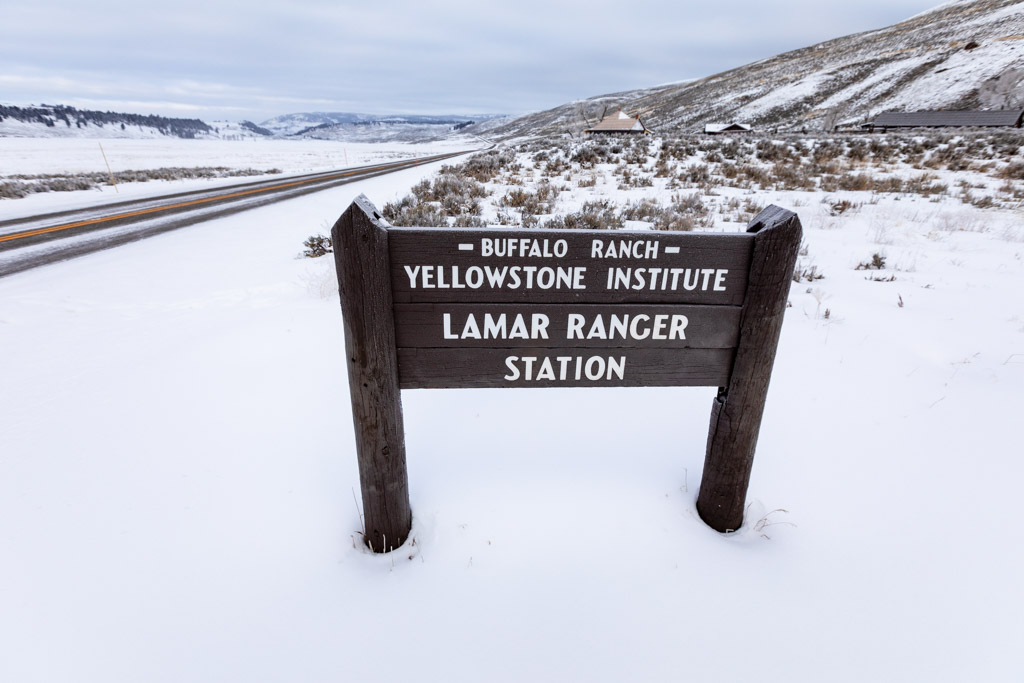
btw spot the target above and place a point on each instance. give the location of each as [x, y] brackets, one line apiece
[463, 308]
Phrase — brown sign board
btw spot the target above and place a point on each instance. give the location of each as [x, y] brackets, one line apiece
[605, 308]
[490, 265]
[471, 308]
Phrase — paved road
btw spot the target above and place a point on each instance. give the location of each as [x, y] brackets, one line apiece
[37, 240]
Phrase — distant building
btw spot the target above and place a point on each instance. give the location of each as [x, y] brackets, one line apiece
[619, 122]
[1002, 118]
[719, 128]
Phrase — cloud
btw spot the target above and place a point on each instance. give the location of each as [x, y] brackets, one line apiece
[446, 56]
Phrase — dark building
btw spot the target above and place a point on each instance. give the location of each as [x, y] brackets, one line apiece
[1002, 118]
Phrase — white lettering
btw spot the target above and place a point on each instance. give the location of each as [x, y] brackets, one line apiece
[539, 329]
[624, 248]
[617, 367]
[633, 328]
[547, 371]
[448, 327]
[510, 363]
[494, 328]
[519, 330]
[679, 323]
[704, 279]
[471, 330]
[660, 322]
[575, 326]
[560, 369]
[495, 276]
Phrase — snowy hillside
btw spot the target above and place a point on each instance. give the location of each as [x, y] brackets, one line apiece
[59, 121]
[239, 130]
[292, 124]
[958, 55]
[381, 131]
[368, 128]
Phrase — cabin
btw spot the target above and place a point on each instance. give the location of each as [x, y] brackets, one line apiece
[722, 128]
[1000, 118]
[619, 122]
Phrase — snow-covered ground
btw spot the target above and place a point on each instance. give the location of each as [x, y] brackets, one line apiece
[36, 156]
[43, 155]
[178, 479]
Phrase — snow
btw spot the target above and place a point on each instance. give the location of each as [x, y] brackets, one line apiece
[872, 86]
[35, 156]
[79, 155]
[10, 127]
[960, 73]
[234, 130]
[178, 478]
[807, 85]
[719, 127]
[943, 6]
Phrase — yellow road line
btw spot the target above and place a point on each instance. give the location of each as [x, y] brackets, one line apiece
[157, 209]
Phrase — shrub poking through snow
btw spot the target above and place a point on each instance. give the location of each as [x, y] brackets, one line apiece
[599, 214]
[410, 212]
[19, 186]
[1013, 171]
[877, 262]
[317, 245]
[602, 183]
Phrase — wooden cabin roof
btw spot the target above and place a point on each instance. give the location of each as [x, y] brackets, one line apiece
[618, 122]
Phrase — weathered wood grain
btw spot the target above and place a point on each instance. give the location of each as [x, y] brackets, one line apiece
[439, 248]
[706, 327]
[736, 413]
[483, 368]
[361, 258]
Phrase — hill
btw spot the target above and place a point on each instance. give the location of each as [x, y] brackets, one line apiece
[45, 121]
[321, 122]
[63, 121]
[958, 55]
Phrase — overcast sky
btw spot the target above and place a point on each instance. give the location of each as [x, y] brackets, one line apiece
[254, 60]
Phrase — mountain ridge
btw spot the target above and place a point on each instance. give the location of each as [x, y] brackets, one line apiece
[299, 123]
[967, 54]
[65, 121]
[45, 120]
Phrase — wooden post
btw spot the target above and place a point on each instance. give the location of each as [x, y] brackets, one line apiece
[736, 412]
[112, 181]
[364, 282]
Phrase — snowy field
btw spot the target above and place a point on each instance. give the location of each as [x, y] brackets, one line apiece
[37, 156]
[178, 479]
[48, 155]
